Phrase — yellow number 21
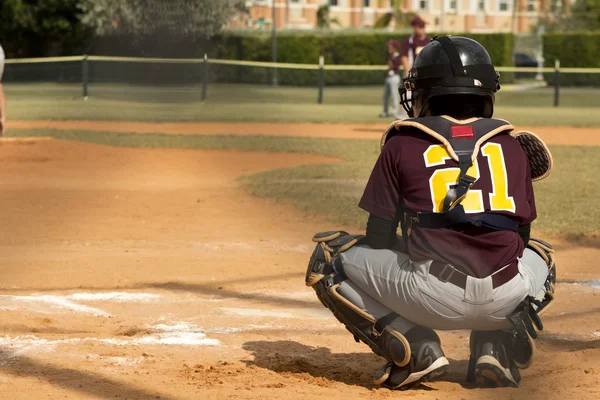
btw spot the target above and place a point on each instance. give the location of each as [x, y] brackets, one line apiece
[442, 179]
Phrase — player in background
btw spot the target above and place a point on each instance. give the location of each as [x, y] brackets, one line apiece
[392, 81]
[413, 44]
[2, 96]
[410, 49]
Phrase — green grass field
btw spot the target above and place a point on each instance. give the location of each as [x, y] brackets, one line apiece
[333, 190]
[238, 103]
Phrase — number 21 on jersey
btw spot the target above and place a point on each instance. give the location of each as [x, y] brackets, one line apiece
[443, 179]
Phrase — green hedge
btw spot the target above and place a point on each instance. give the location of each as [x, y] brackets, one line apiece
[343, 48]
[579, 49]
[349, 49]
[355, 48]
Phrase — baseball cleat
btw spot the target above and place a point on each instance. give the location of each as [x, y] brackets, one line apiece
[493, 363]
[493, 373]
[427, 363]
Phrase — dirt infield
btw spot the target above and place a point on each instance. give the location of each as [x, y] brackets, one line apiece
[143, 274]
[552, 135]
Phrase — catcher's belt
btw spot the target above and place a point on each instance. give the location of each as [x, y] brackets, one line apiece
[447, 273]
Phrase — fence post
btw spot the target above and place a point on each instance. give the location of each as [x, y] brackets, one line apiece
[556, 82]
[275, 81]
[85, 75]
[205, 78]
[321, 78]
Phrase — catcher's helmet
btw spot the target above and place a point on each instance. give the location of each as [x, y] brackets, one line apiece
[451, 66]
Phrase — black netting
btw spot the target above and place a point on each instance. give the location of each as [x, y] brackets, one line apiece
[184, 82]
[50, 72]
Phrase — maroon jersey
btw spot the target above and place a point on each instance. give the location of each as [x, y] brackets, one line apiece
[412, 46]
[394, 64]
[413, 174]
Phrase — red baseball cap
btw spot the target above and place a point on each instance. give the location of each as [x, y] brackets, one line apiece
[394, 43]
[417, 21]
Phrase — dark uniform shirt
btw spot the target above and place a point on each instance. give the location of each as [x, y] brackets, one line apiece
[412, 46]
[401, 179]
[394, 64]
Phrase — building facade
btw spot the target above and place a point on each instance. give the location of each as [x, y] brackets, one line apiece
[516, 16]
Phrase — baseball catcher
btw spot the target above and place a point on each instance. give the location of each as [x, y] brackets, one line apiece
[459, 184]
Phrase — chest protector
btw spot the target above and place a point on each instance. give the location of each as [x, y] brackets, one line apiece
[463, 140]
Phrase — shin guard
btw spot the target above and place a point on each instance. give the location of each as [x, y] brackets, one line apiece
[382, 335]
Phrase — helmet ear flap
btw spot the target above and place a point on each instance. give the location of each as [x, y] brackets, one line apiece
[409, 84]
[405, 101]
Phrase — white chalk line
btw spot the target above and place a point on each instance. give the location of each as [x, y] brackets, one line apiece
[60, 302]
[70, 302]
[571, 338]
[114, 296]
[51, 303]
[594, 284]
[174, 334]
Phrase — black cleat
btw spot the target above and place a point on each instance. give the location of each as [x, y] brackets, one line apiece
[493, 362]
[427, 363]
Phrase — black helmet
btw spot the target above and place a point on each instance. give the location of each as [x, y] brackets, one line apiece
[451, 65]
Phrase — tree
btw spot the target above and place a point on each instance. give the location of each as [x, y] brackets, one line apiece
[188, 18]
[402, 19]
[42, 27]
[584, 16]
[324, 20]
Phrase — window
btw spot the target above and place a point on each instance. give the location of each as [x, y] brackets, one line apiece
[452, 5]
[420, 5]
[480, 7]
[531, 5]
[367, 3]
[333, 3]
[503, 5]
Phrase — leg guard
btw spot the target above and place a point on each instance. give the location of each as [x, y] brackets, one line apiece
[329, 245]
[545, 251]
[413, 353]
[526, 319]
[325, 274]
[498, 356]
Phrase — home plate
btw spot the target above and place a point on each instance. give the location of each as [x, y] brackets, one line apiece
[280, 313]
